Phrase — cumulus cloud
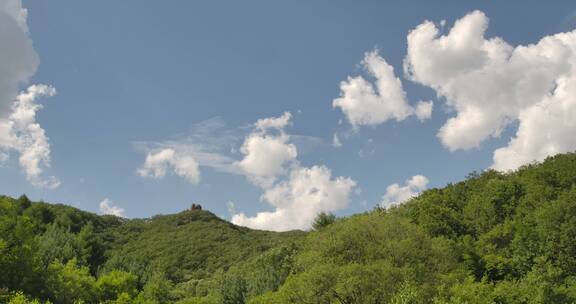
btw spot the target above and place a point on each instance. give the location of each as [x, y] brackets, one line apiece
[266, 154]
[267, 157]
[21, 133]
[423, 110]
[159, 163]
[546, 129]
[365, 103]
[274, 122]
[108, 207]
[298, 200]
[491, 84]
[18, 59]
[396, 194]
[296, 193]
[265, 150]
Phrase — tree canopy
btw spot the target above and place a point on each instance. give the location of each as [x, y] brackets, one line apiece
[493, 238]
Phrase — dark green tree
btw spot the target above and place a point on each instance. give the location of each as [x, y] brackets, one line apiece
[323, 219]
[233, 289]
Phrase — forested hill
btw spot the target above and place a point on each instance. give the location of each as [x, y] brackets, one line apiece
[493, 238]
[57, 252]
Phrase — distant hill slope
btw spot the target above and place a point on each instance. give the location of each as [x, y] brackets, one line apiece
[189, 245]
[193, 247]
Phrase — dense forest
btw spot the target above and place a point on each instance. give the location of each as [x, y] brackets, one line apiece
[493, 238]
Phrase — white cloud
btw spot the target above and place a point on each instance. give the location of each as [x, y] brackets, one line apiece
[298, 200]
[214, 145]
[364, 103]
[546, 129]
[21, 133]
[158, 163]
[265, 150]
[298, 197]
[274, 122]
[18, 60]
[209, 143]
[268, 160]
[396, 194]
[491, 84]
[424, 110]
[265, 154]
[107, 207]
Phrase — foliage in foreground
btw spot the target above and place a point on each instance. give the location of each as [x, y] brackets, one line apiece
[494, 238]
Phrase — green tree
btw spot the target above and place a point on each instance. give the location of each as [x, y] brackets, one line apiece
[19, 262]
[23, 203]
[90, 247]
[20, 298]
[69, 283]
[58, 244]
[116, 285]
[233, 289]
[322, 220]
[157, 289]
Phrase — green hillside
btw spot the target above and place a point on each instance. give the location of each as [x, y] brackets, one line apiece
[493, 238]
[188, 246]
[189, 252]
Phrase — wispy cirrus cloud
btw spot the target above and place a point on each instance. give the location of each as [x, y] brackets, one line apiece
[209, 144]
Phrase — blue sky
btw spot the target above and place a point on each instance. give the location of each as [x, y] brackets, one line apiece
[134, 78]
